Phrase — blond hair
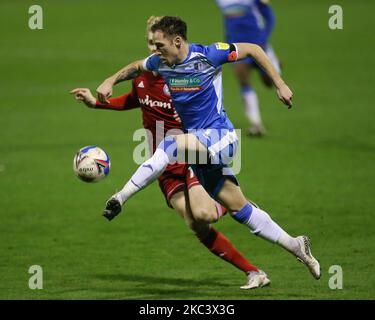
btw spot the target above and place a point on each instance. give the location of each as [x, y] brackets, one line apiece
[151, 21]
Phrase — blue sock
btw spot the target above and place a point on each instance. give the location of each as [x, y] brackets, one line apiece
[243, 215]
[245, 90]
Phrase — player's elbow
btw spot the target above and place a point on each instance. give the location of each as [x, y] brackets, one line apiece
[246, 50]
[254, 49]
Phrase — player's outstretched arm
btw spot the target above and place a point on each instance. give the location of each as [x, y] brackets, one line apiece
[256, 52]
[104, 91]
[84, 95]
[126, 101]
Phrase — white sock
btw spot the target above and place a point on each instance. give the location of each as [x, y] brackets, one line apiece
[289, 243]
[145, 174]
[261, 224]
[126, 192]
[252, 107]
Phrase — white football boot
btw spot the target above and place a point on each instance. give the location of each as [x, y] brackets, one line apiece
[304, 255]
[256, 130]
[256, 280]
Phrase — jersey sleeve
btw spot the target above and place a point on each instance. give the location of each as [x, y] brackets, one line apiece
[151, 63]
[127, 101]
[220, 53]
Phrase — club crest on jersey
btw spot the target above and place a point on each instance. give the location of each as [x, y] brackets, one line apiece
[198, 66]
[222, 46]
[185, 84]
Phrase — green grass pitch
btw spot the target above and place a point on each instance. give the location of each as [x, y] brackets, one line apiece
[314, 171]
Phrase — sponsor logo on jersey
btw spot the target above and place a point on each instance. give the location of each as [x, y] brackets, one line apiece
[186, 84]
[154, 103]
[222, 46]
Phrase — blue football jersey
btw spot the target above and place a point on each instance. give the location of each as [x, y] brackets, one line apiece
[196, 85]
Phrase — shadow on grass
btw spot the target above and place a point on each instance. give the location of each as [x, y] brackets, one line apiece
[148, 287]
[160, 280]
[154, 287]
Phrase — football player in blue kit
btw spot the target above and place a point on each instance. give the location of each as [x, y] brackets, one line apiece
[250, 21]
[193, 75]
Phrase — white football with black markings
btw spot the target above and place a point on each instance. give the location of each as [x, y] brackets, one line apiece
[91, 164]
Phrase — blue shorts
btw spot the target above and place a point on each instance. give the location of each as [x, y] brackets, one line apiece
[222, 146]
[244, 29]
[212, 178]
[220, 143]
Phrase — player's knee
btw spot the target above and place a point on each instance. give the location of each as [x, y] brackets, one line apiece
[205, 215]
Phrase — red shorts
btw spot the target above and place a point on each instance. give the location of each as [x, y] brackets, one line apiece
[173, 180]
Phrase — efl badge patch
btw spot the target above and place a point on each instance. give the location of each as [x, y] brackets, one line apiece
[222, 46]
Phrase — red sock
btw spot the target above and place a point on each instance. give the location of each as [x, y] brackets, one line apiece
[219, 245]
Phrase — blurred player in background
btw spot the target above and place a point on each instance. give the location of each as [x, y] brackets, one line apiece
[250, 21]
[150, 93]
[193, 75]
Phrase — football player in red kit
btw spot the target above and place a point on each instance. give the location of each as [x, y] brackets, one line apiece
[150, 93]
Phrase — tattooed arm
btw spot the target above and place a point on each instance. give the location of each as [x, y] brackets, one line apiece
[104, 91]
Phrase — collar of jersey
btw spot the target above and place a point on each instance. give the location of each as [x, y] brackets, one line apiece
[189, 54]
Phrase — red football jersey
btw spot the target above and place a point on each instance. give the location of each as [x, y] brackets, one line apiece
[151, 94]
